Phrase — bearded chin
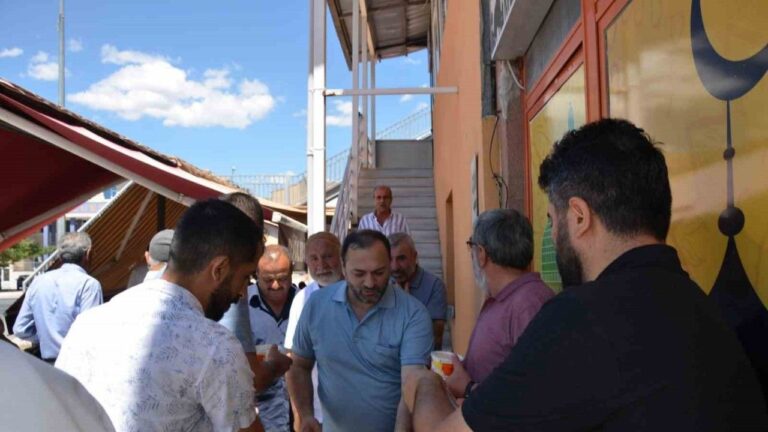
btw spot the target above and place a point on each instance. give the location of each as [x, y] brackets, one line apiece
[218, 303]
[568, 262]
[480, 279]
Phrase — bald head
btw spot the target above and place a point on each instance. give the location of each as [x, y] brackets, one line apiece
[275, 270]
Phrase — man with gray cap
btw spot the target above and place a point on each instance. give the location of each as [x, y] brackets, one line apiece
[158, 254]
[56, 298]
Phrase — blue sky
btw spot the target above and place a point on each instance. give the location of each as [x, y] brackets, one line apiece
[219, 84]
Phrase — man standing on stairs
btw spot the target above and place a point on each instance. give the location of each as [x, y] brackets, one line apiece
[418, 282]
[382, 218]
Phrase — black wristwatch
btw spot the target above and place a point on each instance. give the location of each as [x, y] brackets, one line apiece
[468, 388]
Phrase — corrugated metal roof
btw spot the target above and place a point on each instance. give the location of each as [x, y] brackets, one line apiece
[398, 27]
[112, 226]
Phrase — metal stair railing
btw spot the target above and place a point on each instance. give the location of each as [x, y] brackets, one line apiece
[360, 157]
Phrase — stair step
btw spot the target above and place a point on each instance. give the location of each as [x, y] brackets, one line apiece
[400, 201]
[399, 191]
[395, 182]
[425, 236]
[428, 250]
[395, 173]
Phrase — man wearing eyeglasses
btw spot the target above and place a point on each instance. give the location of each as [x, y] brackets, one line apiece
[501, 247]
[270, 303]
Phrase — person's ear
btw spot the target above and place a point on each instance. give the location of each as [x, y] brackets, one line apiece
[482, 256]
[219, 268]
[580, 217]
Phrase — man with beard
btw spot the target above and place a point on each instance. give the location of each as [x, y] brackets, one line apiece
[632, 343]
[154, 356]
[501, 247]
[364, 335]
[323, 259]
[418, 282]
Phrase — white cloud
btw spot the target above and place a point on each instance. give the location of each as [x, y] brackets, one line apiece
[342, 115]
[110, 54]
[41, 67]
[74, 45]
[11, 52]
[411, 60]
[300, 113]
[405, 98]
[148, 85]
[421, 106]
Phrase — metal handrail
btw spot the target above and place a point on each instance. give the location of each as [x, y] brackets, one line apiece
[346, 205]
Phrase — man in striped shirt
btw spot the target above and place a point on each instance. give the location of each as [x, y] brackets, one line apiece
[382, 218]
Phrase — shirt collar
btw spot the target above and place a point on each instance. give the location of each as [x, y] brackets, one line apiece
[387, 300]
[177, 292]
[75, 267]
[256, 302]
[656, 255]
[515, 285]
[418, 277]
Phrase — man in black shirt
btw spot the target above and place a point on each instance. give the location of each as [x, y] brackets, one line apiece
[632, 344]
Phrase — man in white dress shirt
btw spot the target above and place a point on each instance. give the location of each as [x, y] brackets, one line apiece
[154, 356]
[382, 218]
[323, 258]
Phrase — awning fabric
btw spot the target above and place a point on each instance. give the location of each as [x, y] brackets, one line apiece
[53, 160]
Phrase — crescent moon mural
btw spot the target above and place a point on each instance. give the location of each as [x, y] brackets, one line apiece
[728, 80]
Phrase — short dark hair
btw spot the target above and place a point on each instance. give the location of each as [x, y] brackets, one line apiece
[248, 204]
[363, 239]
[618, 170]
[506, 236]
[209, 229]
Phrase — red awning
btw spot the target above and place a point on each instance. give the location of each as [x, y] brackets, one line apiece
[53, 160]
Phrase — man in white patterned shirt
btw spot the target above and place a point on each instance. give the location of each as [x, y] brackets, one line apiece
[154, 356]
[382, 218]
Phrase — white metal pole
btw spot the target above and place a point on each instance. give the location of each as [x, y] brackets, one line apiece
[318, 119]
[355, 73]
[310, 124]
[61, 223]
[364, 47]
[373, 110]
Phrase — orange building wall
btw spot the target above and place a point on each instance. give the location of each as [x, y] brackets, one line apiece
[460, 133]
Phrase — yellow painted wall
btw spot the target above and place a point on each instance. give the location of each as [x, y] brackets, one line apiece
[460, 133]
[653, 82]
[564, 111]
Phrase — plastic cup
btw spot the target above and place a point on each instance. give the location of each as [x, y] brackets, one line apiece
[442, 363]
[262, 350]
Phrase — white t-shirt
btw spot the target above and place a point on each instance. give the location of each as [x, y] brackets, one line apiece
[293, 319]
[38, 398]
[156, 363]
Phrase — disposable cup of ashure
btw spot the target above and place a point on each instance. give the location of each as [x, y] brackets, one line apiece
[442, 363]
[262, 350]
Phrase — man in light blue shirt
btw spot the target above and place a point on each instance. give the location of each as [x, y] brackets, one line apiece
[56, 298]
[365, 335]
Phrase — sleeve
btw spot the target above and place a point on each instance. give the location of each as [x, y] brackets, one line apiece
[364, 223]
[293, 317]
[226, 387]
[405, 227]
[302, 340]
[561, 375]
[437, 305]
[24, 327]
[237, 320]
[91, 296]
[418, 337]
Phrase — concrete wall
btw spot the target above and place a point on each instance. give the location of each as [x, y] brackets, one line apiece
[460, 133]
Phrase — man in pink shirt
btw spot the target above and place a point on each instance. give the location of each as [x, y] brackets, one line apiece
[501, 248]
